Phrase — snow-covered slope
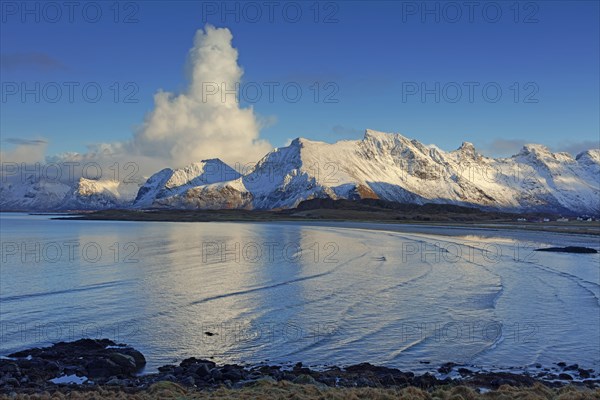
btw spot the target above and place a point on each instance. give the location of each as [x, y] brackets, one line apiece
[381, 165]
[32, 194]
[43, 194]
[169, 183]
[91, 194]
[393, 167]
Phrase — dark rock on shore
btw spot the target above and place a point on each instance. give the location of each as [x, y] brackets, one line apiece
[570, 249]
[497, 379]
[86, 359]
[103, 363]
[446, 368]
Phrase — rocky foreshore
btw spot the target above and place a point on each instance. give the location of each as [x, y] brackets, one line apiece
[88, 364]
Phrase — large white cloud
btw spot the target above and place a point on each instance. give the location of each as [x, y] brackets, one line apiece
[203, 122]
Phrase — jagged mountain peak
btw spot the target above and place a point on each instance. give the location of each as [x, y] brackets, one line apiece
[301, 142]
[540, 154]
[467, 146]
[377, 136]
[212, 161]
[467, 151]
[592, 155]
[534, 149]
[205, 171]
[379, 144]
[298, 142]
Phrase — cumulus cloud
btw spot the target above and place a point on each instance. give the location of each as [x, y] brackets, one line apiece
[205, 121]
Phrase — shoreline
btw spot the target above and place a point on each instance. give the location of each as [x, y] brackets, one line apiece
[334, 219]
[91, 365]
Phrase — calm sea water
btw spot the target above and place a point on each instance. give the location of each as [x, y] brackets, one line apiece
[284, 292]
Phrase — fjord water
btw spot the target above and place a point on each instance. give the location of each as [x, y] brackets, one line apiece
[405, 296]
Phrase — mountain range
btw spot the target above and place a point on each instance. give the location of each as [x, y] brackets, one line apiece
[381, 166]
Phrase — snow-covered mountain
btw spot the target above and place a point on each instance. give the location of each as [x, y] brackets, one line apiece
[395, 168]
[168, 185]
[44, 194]
[381, 165]
[32, 193]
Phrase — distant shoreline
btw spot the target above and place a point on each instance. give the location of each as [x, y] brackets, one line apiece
[334, 218]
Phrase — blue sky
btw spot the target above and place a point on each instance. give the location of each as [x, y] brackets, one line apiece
[371, 59]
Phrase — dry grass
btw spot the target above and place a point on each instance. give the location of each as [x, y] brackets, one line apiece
[291, 391]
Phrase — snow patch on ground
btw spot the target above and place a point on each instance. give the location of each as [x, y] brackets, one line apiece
[69, 380]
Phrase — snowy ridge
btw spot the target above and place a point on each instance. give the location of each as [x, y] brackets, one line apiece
[32, 194]
[395, 168]
[381, 165]
[169, 183]
[39, 193]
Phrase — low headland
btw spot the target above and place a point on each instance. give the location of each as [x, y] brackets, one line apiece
[365, 210]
